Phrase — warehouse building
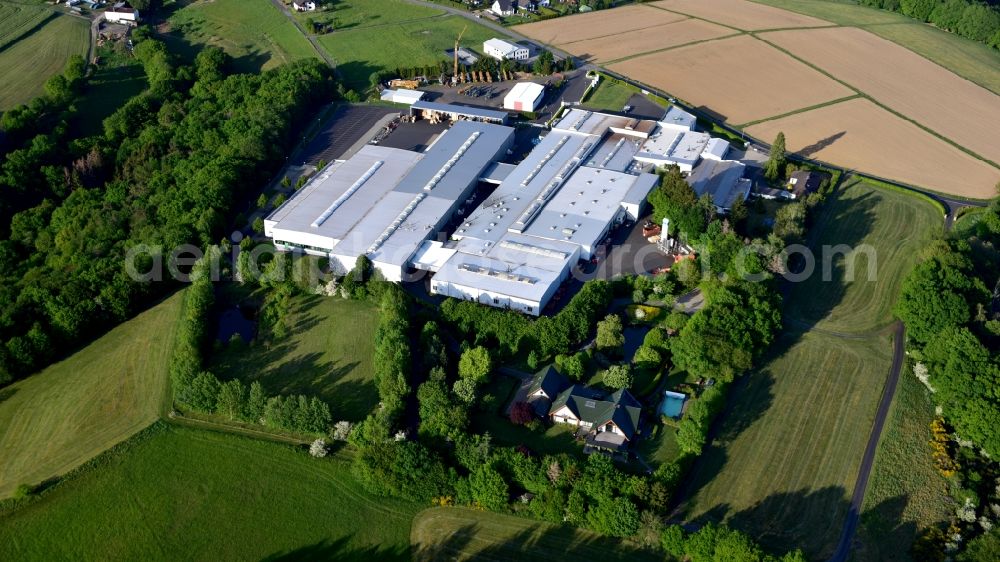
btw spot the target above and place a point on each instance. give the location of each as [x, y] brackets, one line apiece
[434, 111]
[524, 96]
[501, 50]
[550, 211]
[386, 202]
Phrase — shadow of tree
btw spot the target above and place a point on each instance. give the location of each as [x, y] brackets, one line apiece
[883, 529]
[821, 144]
[339, 550]
[539, 542]
[842, 222]
[808, 519]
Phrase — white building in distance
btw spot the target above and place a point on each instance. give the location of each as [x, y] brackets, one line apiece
[122, 13]
[500, 50]
[524, 96]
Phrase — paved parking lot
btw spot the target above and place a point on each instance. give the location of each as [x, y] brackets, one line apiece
[347, 127]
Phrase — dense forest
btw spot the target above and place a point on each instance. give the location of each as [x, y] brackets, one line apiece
[166, 172]
[950, 304]
[972, 19]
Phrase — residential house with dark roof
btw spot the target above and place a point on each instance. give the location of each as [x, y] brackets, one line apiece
[545, 387]
[613, 420]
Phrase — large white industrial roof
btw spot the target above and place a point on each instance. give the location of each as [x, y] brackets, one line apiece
[338, 196]
[384, 202]
[537, 175]
[518, 280]
[457, 159]
[677, 146]
[585, 205]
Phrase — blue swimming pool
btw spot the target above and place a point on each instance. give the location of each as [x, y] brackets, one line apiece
[673, 404]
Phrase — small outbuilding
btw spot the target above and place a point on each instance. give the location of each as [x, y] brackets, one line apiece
[524, 96]
[402, 95]
[122, 13]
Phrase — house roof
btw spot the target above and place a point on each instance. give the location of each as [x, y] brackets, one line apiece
[804, 182]
[722, 179]
[505, 4]
[549, 380]
[592, 406]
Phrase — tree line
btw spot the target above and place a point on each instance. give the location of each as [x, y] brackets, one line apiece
[201, 391]
[972, 19]
[166, 171]
[950, 304]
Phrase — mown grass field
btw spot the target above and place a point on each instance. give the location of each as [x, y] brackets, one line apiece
[56, 420]
[18, 19]
[906, 494]
[29, 61]
[360, 52]
[609, 96]
[970, 60]
[883, 228]
[253, 32]
[784, 464]
[327, 354]
[353, 14]
[453, 533]
[190, 494]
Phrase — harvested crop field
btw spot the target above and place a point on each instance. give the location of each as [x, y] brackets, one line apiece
[614, 47]
[903, 81]
[858, 134]
[602, 23]
[747, 16]
[740, 79]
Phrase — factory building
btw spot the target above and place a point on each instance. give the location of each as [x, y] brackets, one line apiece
[385, 202]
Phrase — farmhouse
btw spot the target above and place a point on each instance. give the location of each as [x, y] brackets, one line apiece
[304, 6]
[524, 96]
[385, 202]
[122, 13]
[504, 7]
[501, 50]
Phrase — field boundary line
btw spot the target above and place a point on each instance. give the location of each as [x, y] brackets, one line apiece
[672, 47]
[911, 22]
[879, 104]
[801, 110]
[698, 18]
[616, 34]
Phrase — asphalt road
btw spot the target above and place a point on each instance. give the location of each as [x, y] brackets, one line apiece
[861, 484]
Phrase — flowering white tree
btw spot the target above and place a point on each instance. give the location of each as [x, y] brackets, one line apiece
[923, 375]
[342, 430]
[318, 448]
